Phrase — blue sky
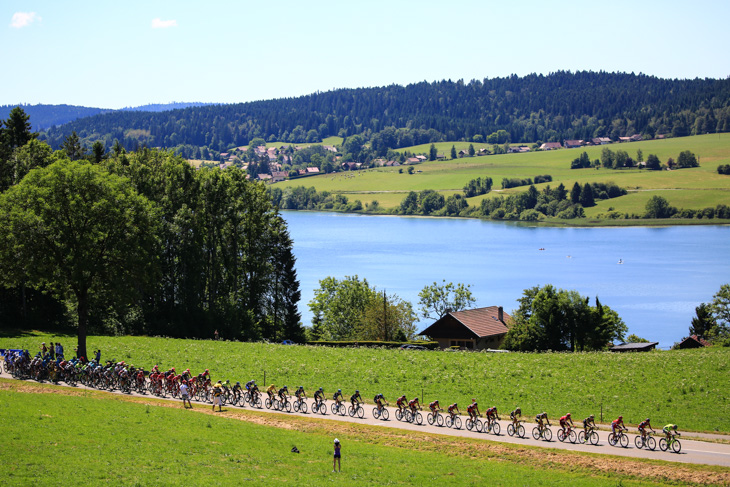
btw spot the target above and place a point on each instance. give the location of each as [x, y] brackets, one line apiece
[116, 54]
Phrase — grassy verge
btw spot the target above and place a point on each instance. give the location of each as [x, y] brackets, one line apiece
[687, 387]
[62, 436]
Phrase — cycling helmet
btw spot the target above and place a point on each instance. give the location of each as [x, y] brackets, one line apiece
[285, 387]
[238, 383]
[518, 410]
[339, 390]
[473, 399]
[206, 370]
[591, 416]
[568, 415]
[301, 387]
[173, 369]
[357, 392]
[320, 388]
[674, 426]
[647, 420]
[620, 417]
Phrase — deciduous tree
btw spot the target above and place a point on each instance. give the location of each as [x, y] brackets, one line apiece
[437, 299]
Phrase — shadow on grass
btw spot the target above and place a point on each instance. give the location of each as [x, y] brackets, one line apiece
[17, 333]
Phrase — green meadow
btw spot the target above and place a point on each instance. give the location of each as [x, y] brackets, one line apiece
[687, 387]
[693, 188]
[53, 437]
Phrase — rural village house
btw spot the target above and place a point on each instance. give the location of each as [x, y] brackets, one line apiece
[572, 144]
[474, 329]
[634, 347]
[693, 342]
[551, 146]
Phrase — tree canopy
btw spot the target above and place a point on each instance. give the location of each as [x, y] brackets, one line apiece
[555, 319]
[435, 300]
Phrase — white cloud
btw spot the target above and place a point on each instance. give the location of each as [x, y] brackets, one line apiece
[163, 24]
[24, 19]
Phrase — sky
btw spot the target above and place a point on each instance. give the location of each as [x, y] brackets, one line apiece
[131, 53]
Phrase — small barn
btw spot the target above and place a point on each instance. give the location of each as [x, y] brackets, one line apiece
[634, 347]
[693, 342]
[474, 329]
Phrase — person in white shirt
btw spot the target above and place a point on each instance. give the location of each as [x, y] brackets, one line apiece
[184, 394]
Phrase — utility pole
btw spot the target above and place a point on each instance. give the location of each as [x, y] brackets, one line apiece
[385, 317]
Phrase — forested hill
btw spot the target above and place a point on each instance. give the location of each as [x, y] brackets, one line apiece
[534, 108]
[43, 117]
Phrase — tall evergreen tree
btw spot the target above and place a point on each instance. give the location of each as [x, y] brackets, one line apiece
[586, 196]
[575, 193]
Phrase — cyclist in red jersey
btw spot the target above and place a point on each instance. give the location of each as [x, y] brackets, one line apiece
[642, 428]
[491, 416]
[453, 408]
[564, 420]
[414, 405]
[473, 409]
[434, 406]
[618, 423]
[401, 402]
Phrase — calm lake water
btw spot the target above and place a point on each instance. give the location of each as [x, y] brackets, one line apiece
[666, 272]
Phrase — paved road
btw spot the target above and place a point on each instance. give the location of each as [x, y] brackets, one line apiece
[700, 452]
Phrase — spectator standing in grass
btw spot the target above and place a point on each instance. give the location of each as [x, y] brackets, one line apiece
[97, 356]
[52, 351]
[217, 392]
[185, 396]
[44, 349]
[336, 460]
[59, 351]
[215, 335]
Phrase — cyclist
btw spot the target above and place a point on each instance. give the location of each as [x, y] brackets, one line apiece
[271, 391]
[564, 420]
[670, 430]
[414, 405]
[355, 398]
[515, 416]
[301, 395]
[451, 410]
[540, 418]
[473, 409]
[435, 407]
[401, 402]
[589, 424]
[491, 415]
[379, 400]
[618, 423]
[250, 384]
[338, 397]
[642, 428]
[283, 394]
[318, 396]
[237, 389]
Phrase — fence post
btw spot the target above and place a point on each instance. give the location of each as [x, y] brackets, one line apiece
[264, 378]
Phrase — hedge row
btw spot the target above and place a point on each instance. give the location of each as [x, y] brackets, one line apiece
[361, 343]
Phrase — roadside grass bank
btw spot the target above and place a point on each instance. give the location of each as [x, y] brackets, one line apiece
[57, 434]
[687, 387]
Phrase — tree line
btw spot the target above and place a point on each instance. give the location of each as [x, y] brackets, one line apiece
[621, 159]
[529, 109]
[139, 242]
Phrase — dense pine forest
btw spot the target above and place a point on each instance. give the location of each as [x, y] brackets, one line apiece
[529, 109]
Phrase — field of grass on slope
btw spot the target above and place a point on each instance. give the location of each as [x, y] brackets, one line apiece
[687, 387]
[68, 437]
[694, 188]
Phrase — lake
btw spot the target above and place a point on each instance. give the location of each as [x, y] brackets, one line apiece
[666, 271]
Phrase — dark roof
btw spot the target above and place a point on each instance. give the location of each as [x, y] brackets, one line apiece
[693, 342]
[470, 323]
[627, 347]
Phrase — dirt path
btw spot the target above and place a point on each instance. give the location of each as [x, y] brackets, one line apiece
[693, 451]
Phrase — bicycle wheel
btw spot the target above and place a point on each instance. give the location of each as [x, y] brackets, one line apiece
[448, 421]
[663, 444]
[258, 402]
[419, 418]
[536, 433]
[469, 424]
[612, 439]
[268, 403]
[511, 429]
[296, 406]
[561, 435]
[303, 407]
[496, 428]
[572, 437]
[333, 407]
[650, 443]
[342, 410]
[520, 431]
[430, 418]
[287, 406]
[624, 440]
[593, 440]
[440, 420]
[376, 413]
[399, 414]
[384, 415]
[547, 434]
[351, 411]
[478, 425]
[457, 423]
[676, 446]
[360, 412]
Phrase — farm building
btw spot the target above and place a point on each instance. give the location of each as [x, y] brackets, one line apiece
[693, 342]
[475, 329]
[634, 347]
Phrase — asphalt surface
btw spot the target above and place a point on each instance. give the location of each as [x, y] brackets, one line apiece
[693, 451]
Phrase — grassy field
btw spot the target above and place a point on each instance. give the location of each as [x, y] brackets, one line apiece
[61, 436]
[689, 387]
[687, 188]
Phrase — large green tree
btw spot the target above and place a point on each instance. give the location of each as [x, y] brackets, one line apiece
[555, 319]
[388, 318]
[76, 230]
[435, 300]
[338, 306]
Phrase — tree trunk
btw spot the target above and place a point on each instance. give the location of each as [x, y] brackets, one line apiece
[82, 310]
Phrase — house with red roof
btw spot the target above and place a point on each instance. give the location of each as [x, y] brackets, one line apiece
[693, 342]
[473, 329]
